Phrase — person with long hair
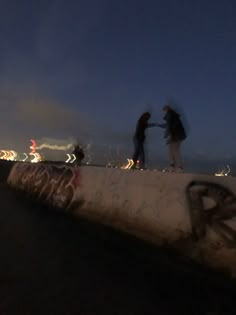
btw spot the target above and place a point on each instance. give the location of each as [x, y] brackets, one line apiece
[175, 134]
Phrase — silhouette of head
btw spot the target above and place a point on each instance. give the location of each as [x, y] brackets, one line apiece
[166, 108]
[145, 116]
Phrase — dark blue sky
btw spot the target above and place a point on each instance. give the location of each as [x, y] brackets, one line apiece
[72, 68]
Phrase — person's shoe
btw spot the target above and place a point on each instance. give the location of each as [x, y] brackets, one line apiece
[179, 170]
[169, 169]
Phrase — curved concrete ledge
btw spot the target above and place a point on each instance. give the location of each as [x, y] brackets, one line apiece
[5, 168]
[192, 213]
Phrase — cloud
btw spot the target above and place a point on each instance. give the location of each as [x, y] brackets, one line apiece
[48, 115]
[27, 117]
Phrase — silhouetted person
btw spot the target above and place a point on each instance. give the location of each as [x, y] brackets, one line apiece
[79, 154]
[139, 139]
[174, 134]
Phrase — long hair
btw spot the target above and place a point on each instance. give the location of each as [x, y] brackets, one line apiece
[144, 117]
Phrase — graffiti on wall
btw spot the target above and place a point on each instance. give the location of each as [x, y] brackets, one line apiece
[222, 209]
[50, 183]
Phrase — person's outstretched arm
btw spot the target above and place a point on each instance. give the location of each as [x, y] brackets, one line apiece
[162, 125]
[152, 125]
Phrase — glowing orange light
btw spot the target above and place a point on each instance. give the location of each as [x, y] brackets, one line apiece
[37, 158]
[224, 172]
[128, 165]
[33, 147]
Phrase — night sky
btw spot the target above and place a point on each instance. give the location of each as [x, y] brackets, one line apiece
[88, 69]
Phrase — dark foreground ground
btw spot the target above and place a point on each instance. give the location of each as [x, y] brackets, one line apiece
[53, 264]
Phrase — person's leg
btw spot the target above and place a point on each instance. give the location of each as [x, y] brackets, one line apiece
[171, 149]
[136, 151]
[141, 155]
[177, 155]
[171, 166]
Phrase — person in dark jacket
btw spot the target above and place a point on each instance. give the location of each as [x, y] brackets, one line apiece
[78, 153]
[175, 134]
[139, 139]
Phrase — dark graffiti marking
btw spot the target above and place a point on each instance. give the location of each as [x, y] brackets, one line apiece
[223, 209]
[54, 184]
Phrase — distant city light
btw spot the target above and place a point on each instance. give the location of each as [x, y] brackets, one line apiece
[224, 172]
[25, 158]
[55, 147]
[37, 157]
[71, 158]
[128, 165]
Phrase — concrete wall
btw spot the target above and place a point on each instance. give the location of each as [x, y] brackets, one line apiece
[192, 213]
[5, 168]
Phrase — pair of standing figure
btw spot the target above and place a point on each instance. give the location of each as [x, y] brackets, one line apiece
[174, 134]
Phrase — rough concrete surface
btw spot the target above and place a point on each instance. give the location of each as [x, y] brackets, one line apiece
[51, 263]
